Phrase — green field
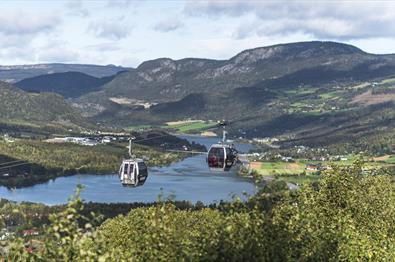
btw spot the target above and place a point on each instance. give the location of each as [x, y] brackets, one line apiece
[139, 127]
[301, 91]
[330, 95]
[391, 160]
[299, 179]
[292, 172]
[388, 81]
[288, 172]
[187, 127]
[278, 168]
[192, 126]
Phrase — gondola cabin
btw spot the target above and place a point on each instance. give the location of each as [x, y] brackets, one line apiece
[133, 172]
[221, 157]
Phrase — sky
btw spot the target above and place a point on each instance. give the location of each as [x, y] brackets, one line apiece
[126, 33]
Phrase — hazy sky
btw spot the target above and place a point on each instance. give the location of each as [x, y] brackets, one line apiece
[126, 33]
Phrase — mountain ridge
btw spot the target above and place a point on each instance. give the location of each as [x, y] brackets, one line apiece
[67, 84]
[166, 80]
[15, 73]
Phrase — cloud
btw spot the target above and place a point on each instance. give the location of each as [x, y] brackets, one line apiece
[76, 8]
[18, 54]
[167, 25]
[104, 47]
[217, 8]
[21, 23]
[119, 3]
[19, 32]
[109, 29]
[332, 20]
[58, 54]
[8, 41]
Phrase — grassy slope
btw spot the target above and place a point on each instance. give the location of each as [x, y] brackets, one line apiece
[35, 111]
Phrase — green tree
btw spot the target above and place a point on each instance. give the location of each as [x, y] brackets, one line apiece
[351, 216]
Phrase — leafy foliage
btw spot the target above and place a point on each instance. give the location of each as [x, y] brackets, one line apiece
[349, 215]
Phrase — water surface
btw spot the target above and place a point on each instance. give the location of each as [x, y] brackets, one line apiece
[189, 179]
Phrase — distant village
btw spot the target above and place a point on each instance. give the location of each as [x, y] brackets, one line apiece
[317, 156]
[85, 141]
[91, 140]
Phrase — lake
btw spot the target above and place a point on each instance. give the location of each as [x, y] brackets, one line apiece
[189, 179]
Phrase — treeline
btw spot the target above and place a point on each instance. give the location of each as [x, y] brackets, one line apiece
[374, 144]
[348, 215]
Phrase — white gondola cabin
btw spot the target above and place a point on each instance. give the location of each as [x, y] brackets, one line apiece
[133, 172]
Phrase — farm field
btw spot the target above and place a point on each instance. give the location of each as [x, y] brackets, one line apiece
[139, 127]
[277, 168]
[296, 172]
[190, 126]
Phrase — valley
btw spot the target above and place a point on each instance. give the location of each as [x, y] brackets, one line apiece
[318, 95]
[304, 116]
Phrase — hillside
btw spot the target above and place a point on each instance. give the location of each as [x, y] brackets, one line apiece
[164, 79]
[15, 73]
[314, 93]
[20, 108]
[68, 84]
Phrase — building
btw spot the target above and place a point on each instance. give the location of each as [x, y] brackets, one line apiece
[312, 167]
[30, 232]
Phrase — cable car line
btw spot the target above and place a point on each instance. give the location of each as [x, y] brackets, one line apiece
[134, 172]
[149, 138]
[186, 151]
[20, 164]
[221, 156]
[11, 162]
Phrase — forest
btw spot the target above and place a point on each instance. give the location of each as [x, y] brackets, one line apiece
[48, 160]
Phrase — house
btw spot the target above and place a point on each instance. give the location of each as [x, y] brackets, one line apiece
[8, 139]
[30, 232]
[4, 235]
[106, 139]
[312, 167]
[287, 159]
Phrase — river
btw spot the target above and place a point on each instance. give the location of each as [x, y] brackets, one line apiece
[189, 179]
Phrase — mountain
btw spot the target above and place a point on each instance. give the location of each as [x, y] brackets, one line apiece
[165, 80]
[274, 67]
[69, 84]
[35, 110]
[311, 93]
[15, 73]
